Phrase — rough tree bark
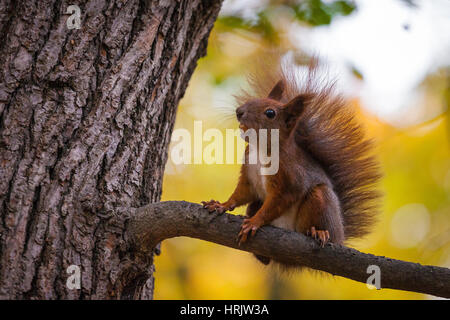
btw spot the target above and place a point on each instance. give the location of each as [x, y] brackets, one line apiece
[85, 122]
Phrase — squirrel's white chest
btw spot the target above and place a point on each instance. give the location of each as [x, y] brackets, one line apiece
[257, 180]
[255, 177]
[288, 219]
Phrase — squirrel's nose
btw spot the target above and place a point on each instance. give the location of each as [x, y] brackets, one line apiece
[239, 113]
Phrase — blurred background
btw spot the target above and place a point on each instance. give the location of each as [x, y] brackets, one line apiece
[392, 60]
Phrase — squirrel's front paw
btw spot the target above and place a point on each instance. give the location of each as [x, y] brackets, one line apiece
[214, 205]
[248, 225]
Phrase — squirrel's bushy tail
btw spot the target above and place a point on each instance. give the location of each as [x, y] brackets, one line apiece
[329, 132]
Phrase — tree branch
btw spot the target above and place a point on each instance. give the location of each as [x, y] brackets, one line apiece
[149, 225]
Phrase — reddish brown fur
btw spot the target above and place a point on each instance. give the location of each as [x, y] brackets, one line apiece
[326, 172]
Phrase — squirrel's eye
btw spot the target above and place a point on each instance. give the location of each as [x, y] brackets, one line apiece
[270, 113]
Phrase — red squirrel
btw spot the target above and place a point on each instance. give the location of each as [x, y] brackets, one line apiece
[324, 186]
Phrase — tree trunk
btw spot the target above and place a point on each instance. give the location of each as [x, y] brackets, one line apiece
[85, 121]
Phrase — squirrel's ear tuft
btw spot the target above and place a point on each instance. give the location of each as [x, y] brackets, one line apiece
[297, 105]
[277, 91]
[295, 108]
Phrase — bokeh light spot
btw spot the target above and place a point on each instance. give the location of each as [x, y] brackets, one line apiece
[410, 225]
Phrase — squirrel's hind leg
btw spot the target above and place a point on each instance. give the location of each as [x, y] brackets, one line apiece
[320, 215]
[252, 208]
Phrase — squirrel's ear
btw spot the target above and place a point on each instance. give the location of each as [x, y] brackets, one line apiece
[277, 91]
[295, 108]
